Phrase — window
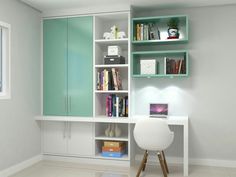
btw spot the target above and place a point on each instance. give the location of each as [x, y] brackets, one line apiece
[4, 60]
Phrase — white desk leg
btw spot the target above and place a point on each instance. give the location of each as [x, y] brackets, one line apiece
[186, 149]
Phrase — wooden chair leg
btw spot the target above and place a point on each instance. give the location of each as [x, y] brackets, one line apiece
[142, 164]
[164, 158]
[145, 163]
[162, 164]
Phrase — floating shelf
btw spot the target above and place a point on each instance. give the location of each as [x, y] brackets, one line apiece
[160, 57]
[161, 23]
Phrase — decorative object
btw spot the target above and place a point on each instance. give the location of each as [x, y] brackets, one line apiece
[114, 50]
[114, 31]
[148, 66]
[121, 35]
[113, 34]
[106, 35]
[114, 59]
[112, 130]
[107, 131]
[173, 30]
[117, 131]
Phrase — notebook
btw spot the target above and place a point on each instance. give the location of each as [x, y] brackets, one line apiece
[159, 110]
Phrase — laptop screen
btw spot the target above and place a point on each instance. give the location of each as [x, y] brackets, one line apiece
[158, 109]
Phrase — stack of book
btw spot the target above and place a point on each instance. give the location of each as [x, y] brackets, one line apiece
[113, 149]
[147, 32]
[175, 66]
[109, 80]
[116, 106]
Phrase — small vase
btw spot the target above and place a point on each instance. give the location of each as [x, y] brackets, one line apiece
[112, 130]
[117, 131]
[108, 129]
[173, 33]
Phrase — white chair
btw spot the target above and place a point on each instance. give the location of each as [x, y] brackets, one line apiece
[153, 134]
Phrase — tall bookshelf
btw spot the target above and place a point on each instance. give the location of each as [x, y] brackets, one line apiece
[103, 23]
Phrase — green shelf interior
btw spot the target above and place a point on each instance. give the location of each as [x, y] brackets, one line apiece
[161, 23]
[159, 56]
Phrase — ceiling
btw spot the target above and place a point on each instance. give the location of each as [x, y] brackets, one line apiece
[50, 5]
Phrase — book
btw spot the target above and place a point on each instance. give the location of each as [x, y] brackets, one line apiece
[102, 80]
[112, 154]
[113, 105]
[114, 78]
[119, 82]
[126, 106]
[180, 66]
[117, 106]
[109, 106]
[138, 32]
[113, 143]
[141, 31]
[183, 68]
[112, 149]
[105, 80]
[98, 81]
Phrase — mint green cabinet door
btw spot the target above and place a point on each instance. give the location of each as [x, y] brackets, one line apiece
[80, 66]
[55, 67]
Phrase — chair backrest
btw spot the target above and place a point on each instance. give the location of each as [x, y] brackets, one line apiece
[153, 134]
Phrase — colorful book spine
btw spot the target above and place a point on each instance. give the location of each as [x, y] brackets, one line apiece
[112, 149]
[126, 106]
[141, 31]
[112, 154]
[138, 32]
[113, 143]
[117, 106]
[109, 106]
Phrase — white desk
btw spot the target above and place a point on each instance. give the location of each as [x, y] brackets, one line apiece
[172, 120]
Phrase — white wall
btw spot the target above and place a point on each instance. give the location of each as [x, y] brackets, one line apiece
[19, 133]
[208, 95]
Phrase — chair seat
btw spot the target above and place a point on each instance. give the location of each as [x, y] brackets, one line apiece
[153, 134]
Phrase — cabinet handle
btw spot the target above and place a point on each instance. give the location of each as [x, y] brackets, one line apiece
[64, 131]
[70, 102]
[69, 127]
[65, 101]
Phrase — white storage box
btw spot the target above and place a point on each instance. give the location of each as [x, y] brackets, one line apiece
[148, 66]
[114, 50]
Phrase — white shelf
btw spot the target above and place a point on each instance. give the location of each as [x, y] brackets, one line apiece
[122, 138]
[111, 91]
[112, 66]
[112, 41]
[124, 157]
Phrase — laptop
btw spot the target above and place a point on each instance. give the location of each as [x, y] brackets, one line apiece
[158, 110]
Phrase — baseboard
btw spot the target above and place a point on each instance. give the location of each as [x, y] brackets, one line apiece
[176, 161]
[214, 162]
[18, 167]
[94, 161]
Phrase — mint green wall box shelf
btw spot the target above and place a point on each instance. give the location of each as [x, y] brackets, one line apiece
[161, 22]
[68, 50]
[159, 56]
